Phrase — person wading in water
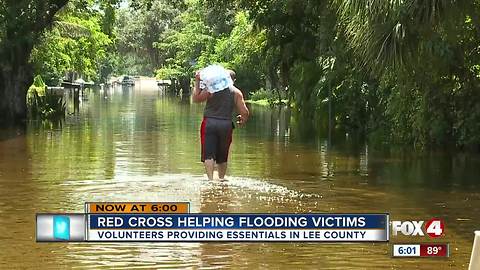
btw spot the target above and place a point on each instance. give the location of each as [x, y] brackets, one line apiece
[217, 126]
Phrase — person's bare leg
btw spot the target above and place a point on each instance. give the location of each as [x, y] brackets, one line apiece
[222, 170]
[209, 165]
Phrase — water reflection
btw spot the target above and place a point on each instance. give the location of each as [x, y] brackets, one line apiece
[136, 144]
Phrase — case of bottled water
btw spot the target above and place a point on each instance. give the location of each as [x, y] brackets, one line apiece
[215, 78]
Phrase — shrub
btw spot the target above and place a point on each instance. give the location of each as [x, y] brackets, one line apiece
[42, 103]
[262, 94]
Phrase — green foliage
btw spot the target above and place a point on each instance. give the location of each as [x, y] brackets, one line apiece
[43, 103]
[241, 51]
[400, 71]
[182, 44]
[169, 72]
[138, 30]
[261, 94]
[75, 43]
[37, 88]
[391, 33]
[194, 41]
[51, 58]
[49, 106]
[176, 39]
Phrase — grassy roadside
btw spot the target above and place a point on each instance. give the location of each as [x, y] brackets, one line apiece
[266, 102]
[261, 102]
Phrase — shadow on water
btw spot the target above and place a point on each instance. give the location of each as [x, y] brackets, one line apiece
[395, 167]
[9, 132]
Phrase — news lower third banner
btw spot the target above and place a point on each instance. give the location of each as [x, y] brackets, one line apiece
[168, 227]
[238, 227]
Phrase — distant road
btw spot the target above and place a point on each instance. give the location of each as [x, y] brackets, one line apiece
[146, 83]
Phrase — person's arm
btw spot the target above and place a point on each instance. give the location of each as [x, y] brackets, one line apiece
[198, 94]
[242, 109]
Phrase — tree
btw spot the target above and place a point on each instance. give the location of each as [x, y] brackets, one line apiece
[425, 54]
[75, 43]
[183, 42]
[139, 29]
[242, 50]
[393, 33]
[22, 24]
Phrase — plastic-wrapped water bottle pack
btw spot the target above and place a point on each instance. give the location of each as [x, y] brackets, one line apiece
[215, 78]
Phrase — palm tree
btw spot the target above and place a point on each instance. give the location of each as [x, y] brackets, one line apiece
[392, 33]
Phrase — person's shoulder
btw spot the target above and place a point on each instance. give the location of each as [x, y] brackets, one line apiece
[237, 91]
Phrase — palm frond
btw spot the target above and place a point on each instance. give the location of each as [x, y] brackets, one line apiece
[72, 30]
[387, 33]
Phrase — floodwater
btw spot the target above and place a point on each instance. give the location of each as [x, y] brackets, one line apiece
[134, 144]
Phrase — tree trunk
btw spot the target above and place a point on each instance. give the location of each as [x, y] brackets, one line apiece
[14, 83]
[273, 77]
[15, 78]
[185, 85]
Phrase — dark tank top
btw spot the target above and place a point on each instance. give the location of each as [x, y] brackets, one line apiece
[220, 105]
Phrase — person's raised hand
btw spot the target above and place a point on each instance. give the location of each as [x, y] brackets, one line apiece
[197, 75]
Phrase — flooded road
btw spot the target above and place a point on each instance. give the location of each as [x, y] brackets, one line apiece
[134, 144]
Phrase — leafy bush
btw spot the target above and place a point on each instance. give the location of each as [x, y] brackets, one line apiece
[38, 87]
[169, 72]
[262, 94]
[42, 103]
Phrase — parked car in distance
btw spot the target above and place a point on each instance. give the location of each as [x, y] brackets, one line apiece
[128, 81]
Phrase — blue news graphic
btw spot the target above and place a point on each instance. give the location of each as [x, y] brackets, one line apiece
[61, 227]
[238, 221]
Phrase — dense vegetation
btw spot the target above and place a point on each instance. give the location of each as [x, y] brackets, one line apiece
[22, 24]
[398, 71]
[76, 42]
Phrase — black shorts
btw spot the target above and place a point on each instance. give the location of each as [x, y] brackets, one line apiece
[216, 137]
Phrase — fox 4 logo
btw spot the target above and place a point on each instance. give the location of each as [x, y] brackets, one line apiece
[434, 228]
